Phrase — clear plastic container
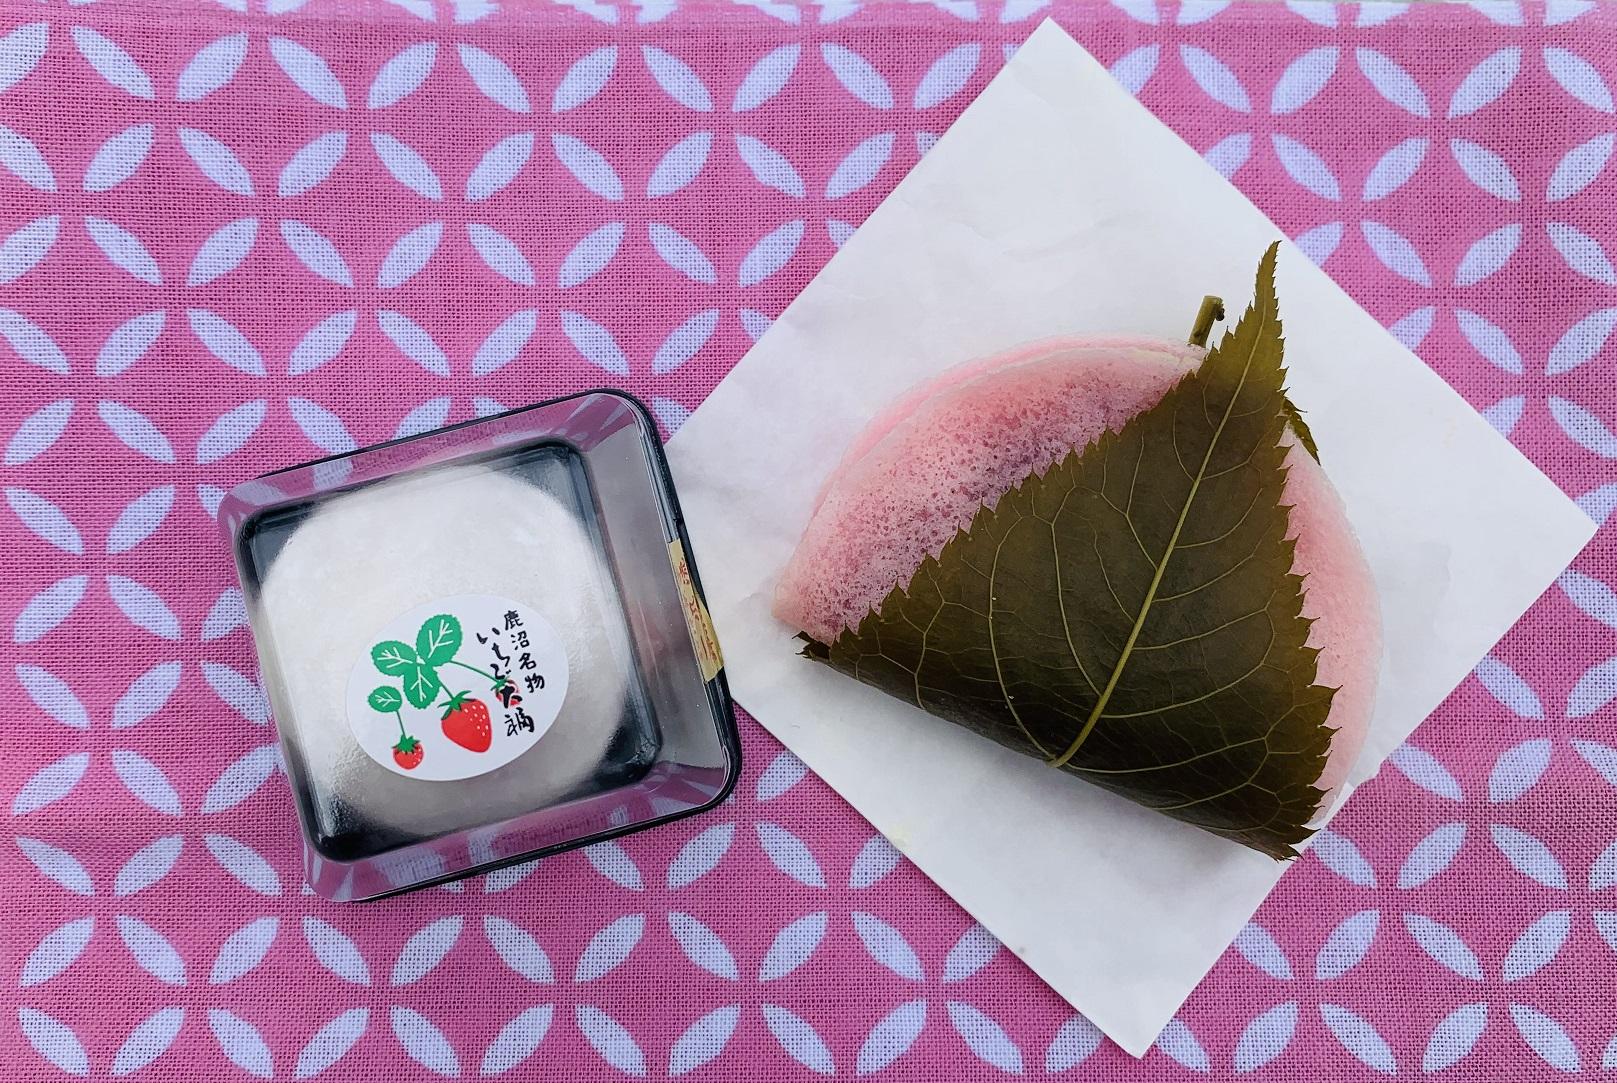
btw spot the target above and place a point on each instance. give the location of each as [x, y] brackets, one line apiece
[483, 644]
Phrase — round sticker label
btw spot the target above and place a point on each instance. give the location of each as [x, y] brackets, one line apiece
[457, 687]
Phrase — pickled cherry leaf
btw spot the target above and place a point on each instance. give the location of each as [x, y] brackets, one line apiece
[1300, 429]
[1131, 615]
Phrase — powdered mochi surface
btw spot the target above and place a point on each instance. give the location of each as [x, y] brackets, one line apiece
[921, 469]
[365, 557]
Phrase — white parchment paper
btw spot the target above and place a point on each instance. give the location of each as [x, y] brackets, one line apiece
[1058, 204]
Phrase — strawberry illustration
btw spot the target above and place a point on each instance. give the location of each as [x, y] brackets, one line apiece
[466, 722]
[408, 753]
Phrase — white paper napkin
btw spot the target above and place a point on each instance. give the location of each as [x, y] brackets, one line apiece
[1056, 204]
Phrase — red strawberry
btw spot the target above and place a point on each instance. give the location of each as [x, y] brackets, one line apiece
[466, 723]
[408, 753]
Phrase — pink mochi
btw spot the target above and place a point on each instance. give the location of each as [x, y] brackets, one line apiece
[921, 469]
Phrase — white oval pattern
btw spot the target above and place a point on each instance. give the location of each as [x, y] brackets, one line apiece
[887, 946]
[409, 254]
[1215, 78]
[1431, 855]
[680, 253]
[308, 71]
[312, 163]
[52, 695]
[1392, 82]
[335, 951]
[328, 1044]
[502, 256]
[1487, 255]
[1454, 1037]
[1545, 1037]
[19, 253]
[425, 950]
[609, 947]
[699, 856]
[1488, 340]
[1486, 82]
[1517, 769]
[587, 165]
[243, 949]
[112, 63]
[57, 865]
[584, 79]
[892, 1036]
[799, 1038]
[499, 166]
[211, 68]
[494, 78]
[793, 945]
[1346, 945]
[37, 432]
[148, 865]
[608, 1038]
[1258, 947]
[20, 50]
[1266, 1037]
[123, 249]
[766, 77]
[1135, 68]
[1359, 1037]
[518, 1039]
[1393, 170]
[948, 75]
[679, 165]
[1073, 1043]
[1529, 856]
[677, 79]
[424, 1042]
[45, 520]
[56, 951]
[148, 1040]
[703, 1040]
[858, 76]
[985, 1038]
[50, 783]
[119, 157]
[401, 75]
[790, 854]
[1303, 79]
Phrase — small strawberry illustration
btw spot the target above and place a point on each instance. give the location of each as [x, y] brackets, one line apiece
[408, 753]
[466, 722]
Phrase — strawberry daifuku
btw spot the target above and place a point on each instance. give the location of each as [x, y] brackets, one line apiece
[924, 467]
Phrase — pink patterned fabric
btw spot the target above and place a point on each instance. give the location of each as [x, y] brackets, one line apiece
[239, 239]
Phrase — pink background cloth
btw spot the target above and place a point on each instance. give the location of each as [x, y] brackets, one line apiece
[237, 239]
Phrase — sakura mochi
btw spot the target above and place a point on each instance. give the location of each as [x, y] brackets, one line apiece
[904, 554]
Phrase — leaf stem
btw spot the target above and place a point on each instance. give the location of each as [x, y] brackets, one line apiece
[1211, 312]
[402, 734]
[493, 682]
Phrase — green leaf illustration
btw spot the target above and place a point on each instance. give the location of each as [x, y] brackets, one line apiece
[393, 657]
[385, 699]
[438, 640]
[1131, 616]
[421, 686]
